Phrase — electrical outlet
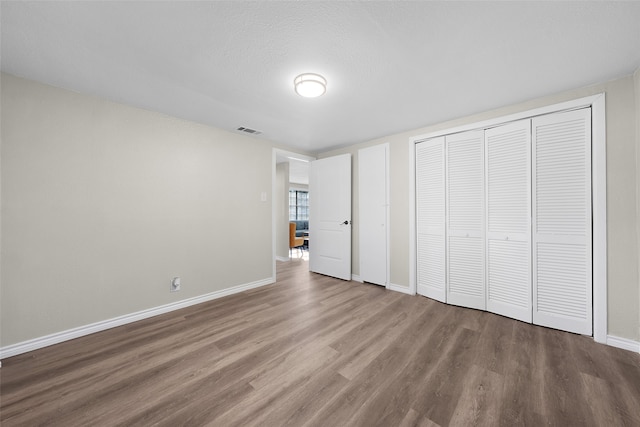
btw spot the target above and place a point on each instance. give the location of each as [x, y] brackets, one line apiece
[175, 285]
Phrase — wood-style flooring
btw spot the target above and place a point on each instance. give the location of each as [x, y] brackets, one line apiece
[315, 351]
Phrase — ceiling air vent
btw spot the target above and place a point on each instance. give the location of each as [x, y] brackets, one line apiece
[249, 130]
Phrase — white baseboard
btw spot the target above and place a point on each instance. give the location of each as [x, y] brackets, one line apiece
[283, 259]
[390, 286]
[623, 343]
[58, 337]
[36, 343]
[399, 288]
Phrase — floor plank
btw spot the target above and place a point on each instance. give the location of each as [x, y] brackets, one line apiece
[315, 351]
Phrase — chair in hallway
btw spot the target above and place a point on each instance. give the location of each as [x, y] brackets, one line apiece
[295, 242]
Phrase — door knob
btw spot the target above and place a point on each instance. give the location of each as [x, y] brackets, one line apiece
[346, 222]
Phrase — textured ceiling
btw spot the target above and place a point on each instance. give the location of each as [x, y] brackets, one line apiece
[390, 66]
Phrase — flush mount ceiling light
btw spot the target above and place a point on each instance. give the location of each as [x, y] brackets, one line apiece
[310, 85]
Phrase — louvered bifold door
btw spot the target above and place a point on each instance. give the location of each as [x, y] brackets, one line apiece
[430, 216]
[465, 219]
[508, 231]
[562, 272]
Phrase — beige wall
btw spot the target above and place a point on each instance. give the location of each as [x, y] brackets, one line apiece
[622, 221]
[102, 204]
[281, 199]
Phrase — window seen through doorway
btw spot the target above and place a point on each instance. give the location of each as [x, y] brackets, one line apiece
[298, 205]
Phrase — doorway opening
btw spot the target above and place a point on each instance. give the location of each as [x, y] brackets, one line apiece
[290, 189]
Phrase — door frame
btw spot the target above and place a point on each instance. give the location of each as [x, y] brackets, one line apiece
[598, 197]
[274, 154]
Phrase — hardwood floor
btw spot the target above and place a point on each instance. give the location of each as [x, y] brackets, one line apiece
[315, 351]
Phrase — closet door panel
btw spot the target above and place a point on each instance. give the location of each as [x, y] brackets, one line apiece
[431, 272]
[509, 278]
[466, 272]
[562, 255]
[430, 218]
[465, 219]
[508, 231]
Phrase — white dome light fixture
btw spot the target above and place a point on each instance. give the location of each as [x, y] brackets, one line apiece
[310, 85]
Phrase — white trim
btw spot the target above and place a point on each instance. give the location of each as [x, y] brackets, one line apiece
[387, 152]
[283, 259]
[599, 194]
[274, 212]
[587, 101]
[356, 278]
[623, 343]
[599, 216]
[400, 288]
[58, 337]
[412, 217]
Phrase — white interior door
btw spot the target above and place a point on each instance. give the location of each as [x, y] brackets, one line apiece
[372, 213]
[430, 219]
[465, 219]
[330, 216]
[562, 271]
[508, 231]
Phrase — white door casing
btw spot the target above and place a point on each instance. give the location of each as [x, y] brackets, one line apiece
[373, 210]
[430, 218]
[465, 219]
[508, 219]
[330, 216]
[562, 235]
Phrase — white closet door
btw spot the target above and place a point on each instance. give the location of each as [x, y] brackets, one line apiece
[508, 231]
[562, 278]
[430, 216]
[372, 227]
[465, 214]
